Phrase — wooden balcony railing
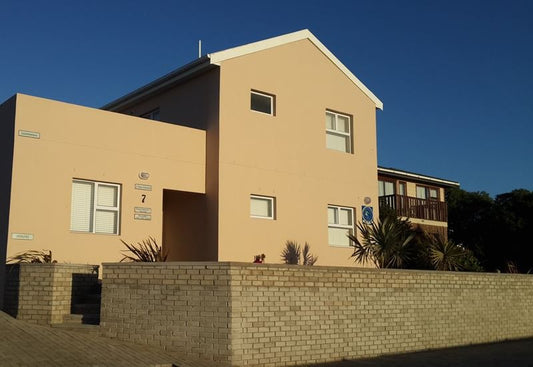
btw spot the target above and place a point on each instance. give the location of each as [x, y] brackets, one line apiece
[407, 206]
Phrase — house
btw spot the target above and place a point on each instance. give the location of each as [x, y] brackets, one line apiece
[417, 197]
[225, 158]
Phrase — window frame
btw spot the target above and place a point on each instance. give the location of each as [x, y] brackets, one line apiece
[349, 228]
[336, 132]
[97, 207]
[384, 181]
[428, 192]
[270, 199]
[263, 94]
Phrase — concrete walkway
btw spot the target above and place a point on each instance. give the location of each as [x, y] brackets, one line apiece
[24, 344]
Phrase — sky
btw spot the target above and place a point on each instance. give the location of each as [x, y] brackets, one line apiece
[455, 77]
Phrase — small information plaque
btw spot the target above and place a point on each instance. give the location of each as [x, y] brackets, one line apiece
[142, 217]
[22, 236]
[139, 209]
[29, 134]
[143, 187]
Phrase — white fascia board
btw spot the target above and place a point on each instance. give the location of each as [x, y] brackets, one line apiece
[217, 57]
[418, 177]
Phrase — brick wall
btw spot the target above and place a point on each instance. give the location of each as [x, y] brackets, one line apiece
[43, 293]
[276, 315]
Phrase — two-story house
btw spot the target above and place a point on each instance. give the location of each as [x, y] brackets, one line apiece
[419, 198]
[225, 158]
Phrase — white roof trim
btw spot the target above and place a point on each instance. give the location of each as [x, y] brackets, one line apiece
[417, 176]
[217, 57]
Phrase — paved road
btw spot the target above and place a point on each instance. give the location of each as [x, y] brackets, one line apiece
[23, 344]
[517, 353]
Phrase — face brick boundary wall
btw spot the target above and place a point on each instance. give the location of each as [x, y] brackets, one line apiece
[276, 315]
[42, 293]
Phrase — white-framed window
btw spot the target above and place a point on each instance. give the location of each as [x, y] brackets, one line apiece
[262, 102]
[338, 132]
[427, 192]
[385, 188]
[262, 207]
[340, 224]
[95, 207]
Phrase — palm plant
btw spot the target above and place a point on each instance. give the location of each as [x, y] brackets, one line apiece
[33, 256]
[292, 253]
[307, 258]
[446, 255]
[146, 251]
[386, 244]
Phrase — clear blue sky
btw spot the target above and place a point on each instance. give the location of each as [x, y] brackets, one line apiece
[455, 77]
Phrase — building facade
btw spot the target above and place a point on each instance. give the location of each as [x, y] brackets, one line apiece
[225, 158]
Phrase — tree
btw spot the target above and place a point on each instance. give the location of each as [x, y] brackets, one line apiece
[386, 244]
[293, 254]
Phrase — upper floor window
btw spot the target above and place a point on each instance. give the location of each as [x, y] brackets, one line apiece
[95, 207]
[427, 192]
[340, 224]
[262, 207]
[262, 102]
[338, 132]
[152, 115]
[385, 188]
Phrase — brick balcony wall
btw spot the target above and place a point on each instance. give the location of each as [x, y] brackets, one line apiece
[276, 315]
[43, 293]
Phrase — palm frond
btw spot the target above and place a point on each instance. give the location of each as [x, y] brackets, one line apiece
[146, 251]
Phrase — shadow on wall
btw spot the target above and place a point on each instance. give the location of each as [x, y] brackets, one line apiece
[11, 289]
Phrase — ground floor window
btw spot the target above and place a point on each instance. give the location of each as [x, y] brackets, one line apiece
[340, 224]
[95, 207]
[262, 207]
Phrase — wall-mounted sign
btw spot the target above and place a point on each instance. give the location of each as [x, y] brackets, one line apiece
[142, 217]
[367, 214]
[29, 134]
[140, 209]
[143, 187]
[22, 236]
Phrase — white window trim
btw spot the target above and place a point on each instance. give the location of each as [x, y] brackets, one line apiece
[264, 95]
[102, 208]
[272, 201]
[342, 133]
[347, 227]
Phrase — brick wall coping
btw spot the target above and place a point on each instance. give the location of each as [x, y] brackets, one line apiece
[315, 268]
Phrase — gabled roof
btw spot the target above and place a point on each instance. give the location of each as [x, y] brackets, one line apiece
[393, 172]
[209, 61]
[217, 57]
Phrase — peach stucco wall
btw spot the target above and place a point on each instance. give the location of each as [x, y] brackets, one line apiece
[285, 155]
[86, 143]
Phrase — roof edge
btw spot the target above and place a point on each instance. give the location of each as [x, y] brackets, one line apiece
[220, 56]
[158, 84]
[417, 176]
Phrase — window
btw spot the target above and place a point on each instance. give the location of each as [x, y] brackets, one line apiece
[402, 188]
[385, 188]
[262, 102]
[338, 132]
[426, 192]
[152, 115]
[262, 207]
[95, 207]
[340, 224]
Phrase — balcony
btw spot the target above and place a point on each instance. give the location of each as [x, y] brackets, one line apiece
[411, 207]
